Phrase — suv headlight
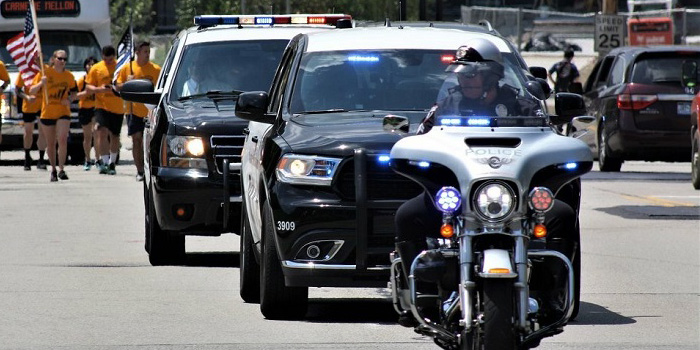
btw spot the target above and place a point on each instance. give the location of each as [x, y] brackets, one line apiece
[494, 200]
[307, 170]
[183, 152]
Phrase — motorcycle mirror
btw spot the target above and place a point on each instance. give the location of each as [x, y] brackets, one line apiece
[395, 123]
[545, 87]
[535, 89]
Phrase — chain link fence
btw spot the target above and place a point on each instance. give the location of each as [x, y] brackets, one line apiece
[521, 25]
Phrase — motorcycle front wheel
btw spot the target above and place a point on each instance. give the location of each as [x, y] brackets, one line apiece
[498, 318]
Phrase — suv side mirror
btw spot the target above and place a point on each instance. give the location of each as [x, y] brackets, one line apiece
[576, 88]
[253, 106]
[567, 106]
[141, 91]
[539, 72]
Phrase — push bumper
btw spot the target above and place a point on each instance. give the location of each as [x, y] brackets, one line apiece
[190, 201]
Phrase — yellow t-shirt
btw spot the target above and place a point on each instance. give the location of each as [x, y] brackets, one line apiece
[86, 102]
[58, 86]
[29, 107]
[4, 76]
[101, 74]
[148, 71]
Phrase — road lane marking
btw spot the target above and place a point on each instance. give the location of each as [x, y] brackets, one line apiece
[658, 201]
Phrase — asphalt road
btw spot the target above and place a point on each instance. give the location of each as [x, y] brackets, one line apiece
[74, 275]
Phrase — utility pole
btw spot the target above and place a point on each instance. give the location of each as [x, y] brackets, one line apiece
[402, 10]
[422, 16]
[609, 7]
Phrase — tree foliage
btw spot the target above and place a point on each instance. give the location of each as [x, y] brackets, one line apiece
[140, 12]
[368, 10]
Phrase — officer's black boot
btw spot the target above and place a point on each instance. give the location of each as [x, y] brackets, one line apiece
[408, 250]
[556, 294]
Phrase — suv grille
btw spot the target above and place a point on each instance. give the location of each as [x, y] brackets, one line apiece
[382, 182]
[227, 147]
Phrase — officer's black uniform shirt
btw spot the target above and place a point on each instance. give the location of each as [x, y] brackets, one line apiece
[506, 103]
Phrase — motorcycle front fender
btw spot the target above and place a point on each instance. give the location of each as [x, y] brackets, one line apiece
[497, 264]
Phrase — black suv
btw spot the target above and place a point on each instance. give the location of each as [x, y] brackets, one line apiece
[192, 136]
[640, 106]
[319, 197]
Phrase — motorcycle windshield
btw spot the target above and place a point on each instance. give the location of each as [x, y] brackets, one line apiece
[474, 96]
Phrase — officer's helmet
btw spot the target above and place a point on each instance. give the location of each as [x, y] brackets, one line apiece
[479, 56]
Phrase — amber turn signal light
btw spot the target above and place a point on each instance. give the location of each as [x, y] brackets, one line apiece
[447, 231]
[540, 231]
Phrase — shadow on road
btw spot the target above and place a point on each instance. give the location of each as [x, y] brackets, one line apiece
[592, 314]
[653, 212]
[351, 311]
[637, 176]
[212, 259]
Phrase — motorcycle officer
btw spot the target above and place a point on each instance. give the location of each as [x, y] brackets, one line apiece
[479, 68]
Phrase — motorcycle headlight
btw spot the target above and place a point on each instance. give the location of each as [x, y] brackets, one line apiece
[183, 152]
[494, 200]
[448, 199]
[307, 170]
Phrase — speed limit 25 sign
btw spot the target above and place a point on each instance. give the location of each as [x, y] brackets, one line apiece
[609, 32]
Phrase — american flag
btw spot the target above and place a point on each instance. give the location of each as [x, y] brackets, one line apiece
[23, 47]
[125, 51]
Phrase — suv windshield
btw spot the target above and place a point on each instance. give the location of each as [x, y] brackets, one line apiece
[661, 70]
[78, 45]
[379, 80]
[227, 66]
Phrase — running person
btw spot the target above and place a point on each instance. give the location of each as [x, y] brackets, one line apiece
[137, 112]
[31, 109]
[59, 84]
[86, 113]
[109, 109]
[4, 81]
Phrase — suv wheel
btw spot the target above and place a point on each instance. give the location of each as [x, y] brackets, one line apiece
[695, 164]
[164, 248]
[605, 161]
[249, 267]
[277, 301]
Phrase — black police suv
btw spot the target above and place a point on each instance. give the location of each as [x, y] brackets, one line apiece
[319, 197]
[192, 136]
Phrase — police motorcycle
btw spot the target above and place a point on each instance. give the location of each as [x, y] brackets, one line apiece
[493, 178]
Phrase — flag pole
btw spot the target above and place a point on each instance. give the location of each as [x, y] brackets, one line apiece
[131, 59]
[38, 42]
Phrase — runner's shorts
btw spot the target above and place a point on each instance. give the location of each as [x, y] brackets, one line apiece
[112, 121]
[30, 117]
[135, 124]
[51, 122]
[85, 115]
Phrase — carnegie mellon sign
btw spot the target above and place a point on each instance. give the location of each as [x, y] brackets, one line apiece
[44, 8]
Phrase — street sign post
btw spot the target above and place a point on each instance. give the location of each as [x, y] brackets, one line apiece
[609, 32]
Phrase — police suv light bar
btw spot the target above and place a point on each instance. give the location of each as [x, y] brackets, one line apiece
[210, 20]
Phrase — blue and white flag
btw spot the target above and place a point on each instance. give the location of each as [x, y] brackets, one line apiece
[125, 51]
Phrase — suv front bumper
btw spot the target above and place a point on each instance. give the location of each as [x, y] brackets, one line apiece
[353, 237]
[191, 201]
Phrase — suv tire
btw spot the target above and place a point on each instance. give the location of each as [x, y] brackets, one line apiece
[605, 160]
[695, 163]
[249, 267]
[164, 248]
[277, 301]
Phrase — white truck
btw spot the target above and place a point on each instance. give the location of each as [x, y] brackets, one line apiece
[81, 28]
